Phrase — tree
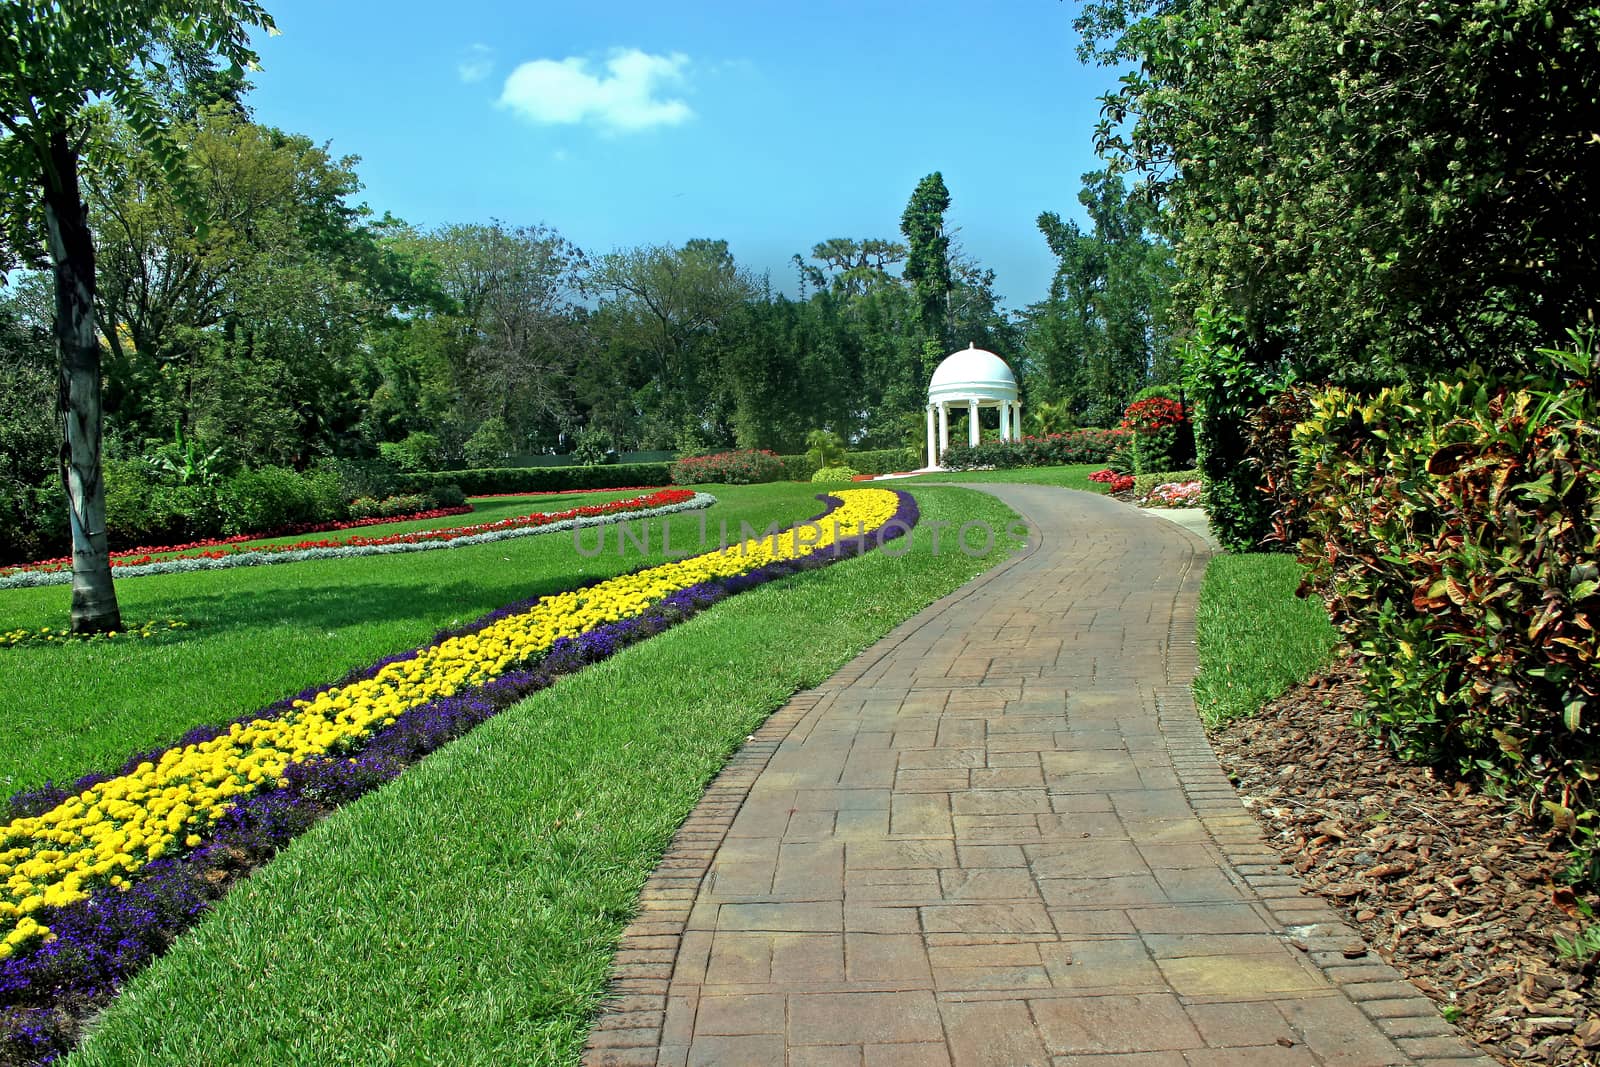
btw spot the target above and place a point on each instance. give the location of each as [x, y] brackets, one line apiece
[665, 307]
[55, 56]
[928, 259]
[1378, 189]
[1106, 331]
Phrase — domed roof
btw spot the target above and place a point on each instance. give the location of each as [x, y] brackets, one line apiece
[972, 372]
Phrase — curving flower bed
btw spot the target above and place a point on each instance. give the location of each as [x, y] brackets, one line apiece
[96, 880]
[661, 502]
[143, 553]
[1173, 495]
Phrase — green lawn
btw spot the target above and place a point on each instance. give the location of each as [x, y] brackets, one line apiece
[257, 634]
[1255, 637]
[466, 912]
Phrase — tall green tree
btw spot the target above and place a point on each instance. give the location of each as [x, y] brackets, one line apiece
[55, 57]
[928, 259]
[1106, 330]
[1377, 189]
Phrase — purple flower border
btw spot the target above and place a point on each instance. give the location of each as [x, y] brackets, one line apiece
[101, 941]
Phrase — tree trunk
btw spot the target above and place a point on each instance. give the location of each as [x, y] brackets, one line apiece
[94, 599]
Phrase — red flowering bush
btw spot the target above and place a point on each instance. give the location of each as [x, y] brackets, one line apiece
[1161, 438]
[728, 468]
[1115, 482]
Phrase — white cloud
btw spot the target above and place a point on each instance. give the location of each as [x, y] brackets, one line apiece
[477, 64]
[626, 95]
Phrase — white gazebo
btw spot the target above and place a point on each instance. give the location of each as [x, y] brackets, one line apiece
[973, 379]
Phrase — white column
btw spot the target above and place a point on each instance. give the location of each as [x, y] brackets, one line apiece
[933, 454]
[972, 423]
[944, 430]
[1005, 420]
[1016, 419]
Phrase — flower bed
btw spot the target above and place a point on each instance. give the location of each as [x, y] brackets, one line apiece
[1172, 495]
[142, 554]
[661, 502]
[96, 880]
[567, 492]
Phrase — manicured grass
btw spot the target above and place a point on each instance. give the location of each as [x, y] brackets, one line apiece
[466, 913]
[1255, 637]
[257, 634]
[1075, 476]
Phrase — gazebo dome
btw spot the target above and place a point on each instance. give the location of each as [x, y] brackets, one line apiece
[966, 382]
[972, 373]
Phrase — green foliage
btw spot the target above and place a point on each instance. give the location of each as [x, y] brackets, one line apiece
[1454, 531]
[490, 480]
[1380, 188]
[143, 508]
[824, 448]
[1227, 386]
[728, 468]
[1079, 446]
[928, 260]
[490, 444]
[268, 498]
[1106, 329]
[420, 451]
[835, 474]
[592, 447]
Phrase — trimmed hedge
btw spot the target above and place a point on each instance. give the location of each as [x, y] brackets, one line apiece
[490, 480]
[1454, 532]
[1054, 450]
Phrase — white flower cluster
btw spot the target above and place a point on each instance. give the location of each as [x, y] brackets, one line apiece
[186, 564]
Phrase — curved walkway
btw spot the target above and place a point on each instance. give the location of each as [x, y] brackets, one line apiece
[999, 837]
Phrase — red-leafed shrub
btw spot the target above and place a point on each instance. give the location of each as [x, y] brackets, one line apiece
[1454, 533]
[728, 468]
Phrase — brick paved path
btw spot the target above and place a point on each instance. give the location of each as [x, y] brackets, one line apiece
[999, 837]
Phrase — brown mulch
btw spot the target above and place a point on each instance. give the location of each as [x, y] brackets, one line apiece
[1456, 889]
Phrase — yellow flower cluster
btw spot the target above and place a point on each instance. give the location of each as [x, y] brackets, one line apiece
[112, 829]
[46, 635]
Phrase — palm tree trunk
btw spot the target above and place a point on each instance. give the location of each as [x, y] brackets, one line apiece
[94, 598]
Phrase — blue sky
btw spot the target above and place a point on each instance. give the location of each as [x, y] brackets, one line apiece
[773, 126]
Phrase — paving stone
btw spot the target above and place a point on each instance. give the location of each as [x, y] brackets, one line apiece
[1000, 837]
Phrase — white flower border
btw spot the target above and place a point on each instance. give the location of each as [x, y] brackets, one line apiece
[187, 564]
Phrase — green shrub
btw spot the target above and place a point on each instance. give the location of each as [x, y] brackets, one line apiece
[142, 509]
[446, 496]
[267, 499]
[796, 468]
[1454, 533]
[728, 468]
[375, 478]
[1076, 446]
[1227, 386]
[490, 444]
[824, 448]
[492, 480]
[835, 474]
[592, 447]
[884, 460]
[419, 451]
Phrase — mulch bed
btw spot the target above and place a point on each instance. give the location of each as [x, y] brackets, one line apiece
[1457, 890]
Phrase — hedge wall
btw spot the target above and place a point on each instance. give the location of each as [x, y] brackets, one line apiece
[490, 480]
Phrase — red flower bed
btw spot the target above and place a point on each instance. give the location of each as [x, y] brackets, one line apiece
[216, 549]
[567, 492]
